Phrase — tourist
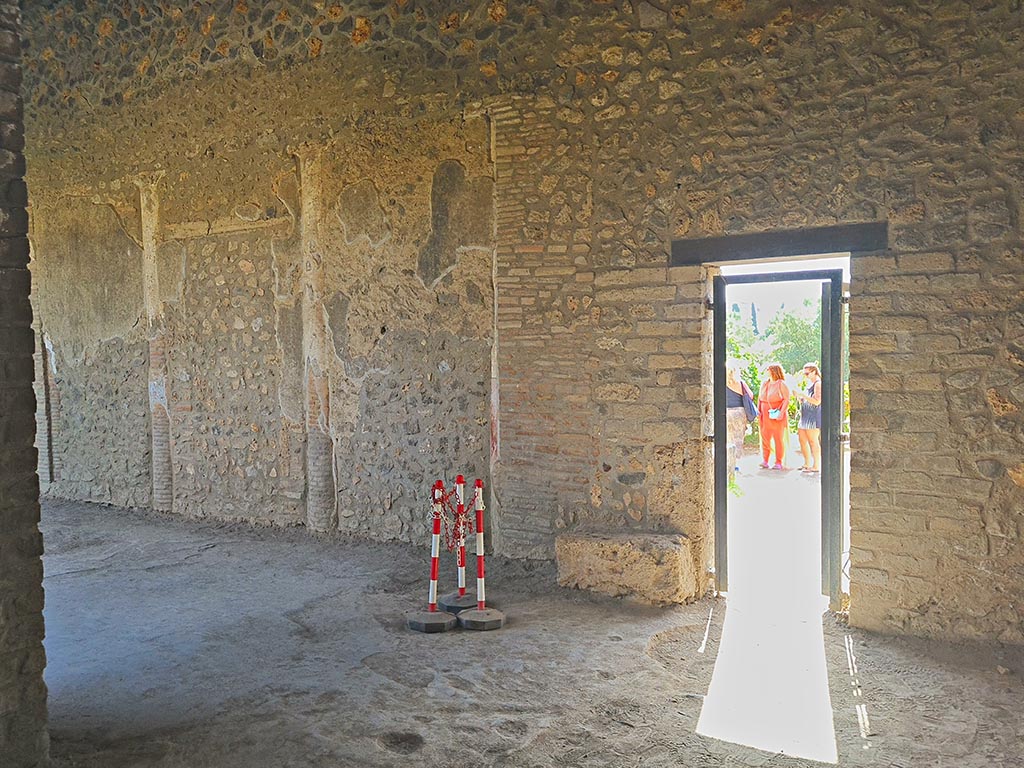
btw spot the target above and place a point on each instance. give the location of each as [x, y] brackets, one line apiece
[809, 429]
[773, 416]
[739, 411]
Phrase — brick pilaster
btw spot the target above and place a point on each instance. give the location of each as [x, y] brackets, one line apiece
[23, 742]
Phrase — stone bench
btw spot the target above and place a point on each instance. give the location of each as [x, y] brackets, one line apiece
[652, 568]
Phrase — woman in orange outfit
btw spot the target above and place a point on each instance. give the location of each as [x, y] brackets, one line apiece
[773, 416]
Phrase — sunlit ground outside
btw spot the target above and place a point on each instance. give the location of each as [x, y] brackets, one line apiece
[769, 689]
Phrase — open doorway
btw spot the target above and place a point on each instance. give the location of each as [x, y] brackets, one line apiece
[780, 331]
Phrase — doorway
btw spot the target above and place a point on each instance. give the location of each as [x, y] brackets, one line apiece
[823, 361]
[770, 247]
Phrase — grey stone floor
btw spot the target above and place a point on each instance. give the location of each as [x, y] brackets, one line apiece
[175, 644]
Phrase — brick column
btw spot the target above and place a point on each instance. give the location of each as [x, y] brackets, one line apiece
[162, 472]
[321, 496]
[23, 742]
[44, 440]
[547, 447]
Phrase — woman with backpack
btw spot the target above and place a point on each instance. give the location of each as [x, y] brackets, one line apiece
[739, 411]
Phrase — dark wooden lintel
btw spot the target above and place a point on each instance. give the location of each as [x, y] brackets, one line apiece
[864, 237]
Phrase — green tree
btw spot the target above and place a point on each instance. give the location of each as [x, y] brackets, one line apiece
[795, 337]
[752, 352]
[745, 347]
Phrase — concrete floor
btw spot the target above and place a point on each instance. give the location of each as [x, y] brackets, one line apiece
[179, 644]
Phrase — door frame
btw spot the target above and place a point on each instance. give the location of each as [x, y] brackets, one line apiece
[831, 404]
[856, 239]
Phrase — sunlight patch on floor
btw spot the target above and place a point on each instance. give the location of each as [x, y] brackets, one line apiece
[769, 689]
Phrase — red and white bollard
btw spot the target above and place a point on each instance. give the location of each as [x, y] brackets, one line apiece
[481, 592]
[433, 620]
[460, 530]
[435, 546]
[481, 617]
[459, 600]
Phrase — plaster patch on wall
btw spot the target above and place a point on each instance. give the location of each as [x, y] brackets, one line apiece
[90, 280]
[461, 215]
[157, 393]
[51, 357]
[336, 308]
[170, 258]
[287, 248]
[250, 212]
[288, 334]
[361, 215]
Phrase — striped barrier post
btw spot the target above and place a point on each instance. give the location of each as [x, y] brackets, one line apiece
[481, 592]
[433, 620]
[459, 600]
[480, 618]
[435, 546]
[460, 530]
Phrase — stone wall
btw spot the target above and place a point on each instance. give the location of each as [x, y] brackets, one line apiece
[360, 148]
[23, 742]
[203, 383]
[97, 357]
[230, 441]
[937, 364]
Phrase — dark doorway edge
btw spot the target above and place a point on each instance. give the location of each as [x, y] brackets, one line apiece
[863, 237]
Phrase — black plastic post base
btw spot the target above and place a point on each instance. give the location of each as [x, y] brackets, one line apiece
[455, 604]
[482, 620]
[430, 621]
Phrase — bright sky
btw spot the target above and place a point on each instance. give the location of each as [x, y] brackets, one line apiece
[771, 297]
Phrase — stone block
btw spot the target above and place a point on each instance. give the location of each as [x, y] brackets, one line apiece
[651, 568]
[693, 275]
[659, 328]
[617, 392]
[642, 346]
[690, 310]
[871, 577]
[928, 263]
[659, 293]
[871, 266]
[687, 345]
[658, 362]
[635, 276]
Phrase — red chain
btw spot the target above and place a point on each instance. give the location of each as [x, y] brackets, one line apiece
[451, 522]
